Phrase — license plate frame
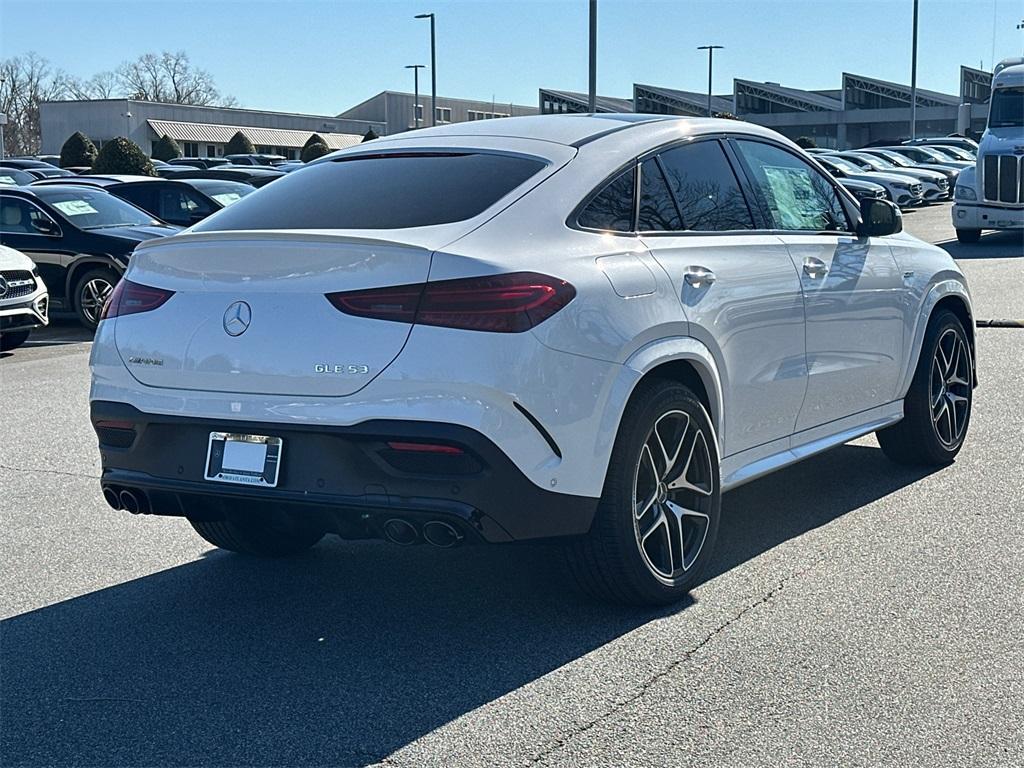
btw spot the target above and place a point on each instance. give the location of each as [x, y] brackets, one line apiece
[232, 457]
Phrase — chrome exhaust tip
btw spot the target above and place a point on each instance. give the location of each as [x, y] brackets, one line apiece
[441, 534]
[110, 496]
[401, 532]
[129, 502]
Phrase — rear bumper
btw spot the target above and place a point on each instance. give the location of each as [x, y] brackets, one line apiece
[345, 476]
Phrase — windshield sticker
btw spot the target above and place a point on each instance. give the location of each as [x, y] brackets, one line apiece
[74, 207]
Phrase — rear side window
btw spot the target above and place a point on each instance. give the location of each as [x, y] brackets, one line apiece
[658, 212]
[379, 192]
[705, 188]
[612, 209]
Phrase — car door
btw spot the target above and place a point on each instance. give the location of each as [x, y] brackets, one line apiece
[19, 229]
[738, 288]
[853, 289]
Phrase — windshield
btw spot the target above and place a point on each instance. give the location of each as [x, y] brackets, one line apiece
[94, 209]
[13, 176]
[874, 163]
[1007, 108]
[224, 192]
[896, 158]
[953, 153]
[844, 165]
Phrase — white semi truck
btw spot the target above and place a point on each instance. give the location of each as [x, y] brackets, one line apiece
[990, 195]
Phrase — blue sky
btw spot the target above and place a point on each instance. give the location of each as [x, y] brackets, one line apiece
[322, 57]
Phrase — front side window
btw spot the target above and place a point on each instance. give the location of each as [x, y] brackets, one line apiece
[705, 188]
[792, 194]
[379, 191]
[612, 209]
[20, 217]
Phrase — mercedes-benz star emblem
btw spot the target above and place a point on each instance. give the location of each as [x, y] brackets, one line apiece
[237, 318]
[3, 287]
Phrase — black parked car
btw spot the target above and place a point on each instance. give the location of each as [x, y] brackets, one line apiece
[257, 177]
[177, 202]
[15, 177]
[36, 168]
[198, 162]
[80, 238]
[258, 158]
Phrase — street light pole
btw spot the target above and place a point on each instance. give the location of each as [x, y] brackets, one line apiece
[913, 80]
[433, 68]
[711, 52]
[592, 89]
[416, 92]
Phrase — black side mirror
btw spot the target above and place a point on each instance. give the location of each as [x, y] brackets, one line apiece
[878, 218]
[46, 227]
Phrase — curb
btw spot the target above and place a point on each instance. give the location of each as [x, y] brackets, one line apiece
[999, 323]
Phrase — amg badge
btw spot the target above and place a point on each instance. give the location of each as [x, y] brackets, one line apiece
[357, 370]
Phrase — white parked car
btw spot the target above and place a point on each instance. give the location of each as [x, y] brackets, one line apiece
[903, 190]
[554, 326]
[935, 185]
[24, 301]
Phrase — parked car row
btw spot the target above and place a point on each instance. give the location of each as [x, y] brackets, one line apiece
[79, 230]
[912, 174]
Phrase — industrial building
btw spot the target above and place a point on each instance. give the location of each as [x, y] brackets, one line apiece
[862, 110]
[394, 110]
[200, 131]
[203, 131]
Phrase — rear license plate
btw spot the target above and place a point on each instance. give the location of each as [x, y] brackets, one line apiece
[243, 459]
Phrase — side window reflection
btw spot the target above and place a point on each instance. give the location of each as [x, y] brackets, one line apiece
[793, 195]
[705, 188]
[612, 209]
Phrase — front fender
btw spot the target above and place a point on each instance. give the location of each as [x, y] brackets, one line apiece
[936, 293]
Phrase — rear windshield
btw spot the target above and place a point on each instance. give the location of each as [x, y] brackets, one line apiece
[379, 192]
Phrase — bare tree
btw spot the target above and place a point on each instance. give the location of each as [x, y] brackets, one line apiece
[169, 77]
[102, 85]
[25, 81]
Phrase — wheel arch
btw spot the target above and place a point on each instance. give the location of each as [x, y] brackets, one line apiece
[689, 362]
[82, 265]
[948, 294]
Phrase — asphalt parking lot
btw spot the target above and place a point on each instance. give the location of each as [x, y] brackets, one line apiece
[858, 614]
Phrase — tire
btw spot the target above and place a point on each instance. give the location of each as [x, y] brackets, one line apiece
[937, 408]
[609, 562]
[90, 294]
[261, 535]
[12, 339]
[968, 235]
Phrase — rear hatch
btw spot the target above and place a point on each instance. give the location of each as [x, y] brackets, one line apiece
[249, 313]
[369, 218]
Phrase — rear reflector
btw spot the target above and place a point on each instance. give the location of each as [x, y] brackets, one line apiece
[130, 298]
[424, 447]
[509, 303]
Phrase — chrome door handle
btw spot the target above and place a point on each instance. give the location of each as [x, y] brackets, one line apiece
[815, 268]
[698, 277]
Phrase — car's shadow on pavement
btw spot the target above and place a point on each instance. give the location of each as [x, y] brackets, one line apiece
[349, 653]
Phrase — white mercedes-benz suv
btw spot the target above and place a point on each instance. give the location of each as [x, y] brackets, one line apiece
[24, 300]
[580, 326]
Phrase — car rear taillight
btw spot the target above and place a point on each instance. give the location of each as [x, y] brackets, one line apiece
[509, 303]
[130, 298]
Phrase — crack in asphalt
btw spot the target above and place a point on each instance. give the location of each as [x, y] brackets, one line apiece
[649, 683]
[48, 472]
